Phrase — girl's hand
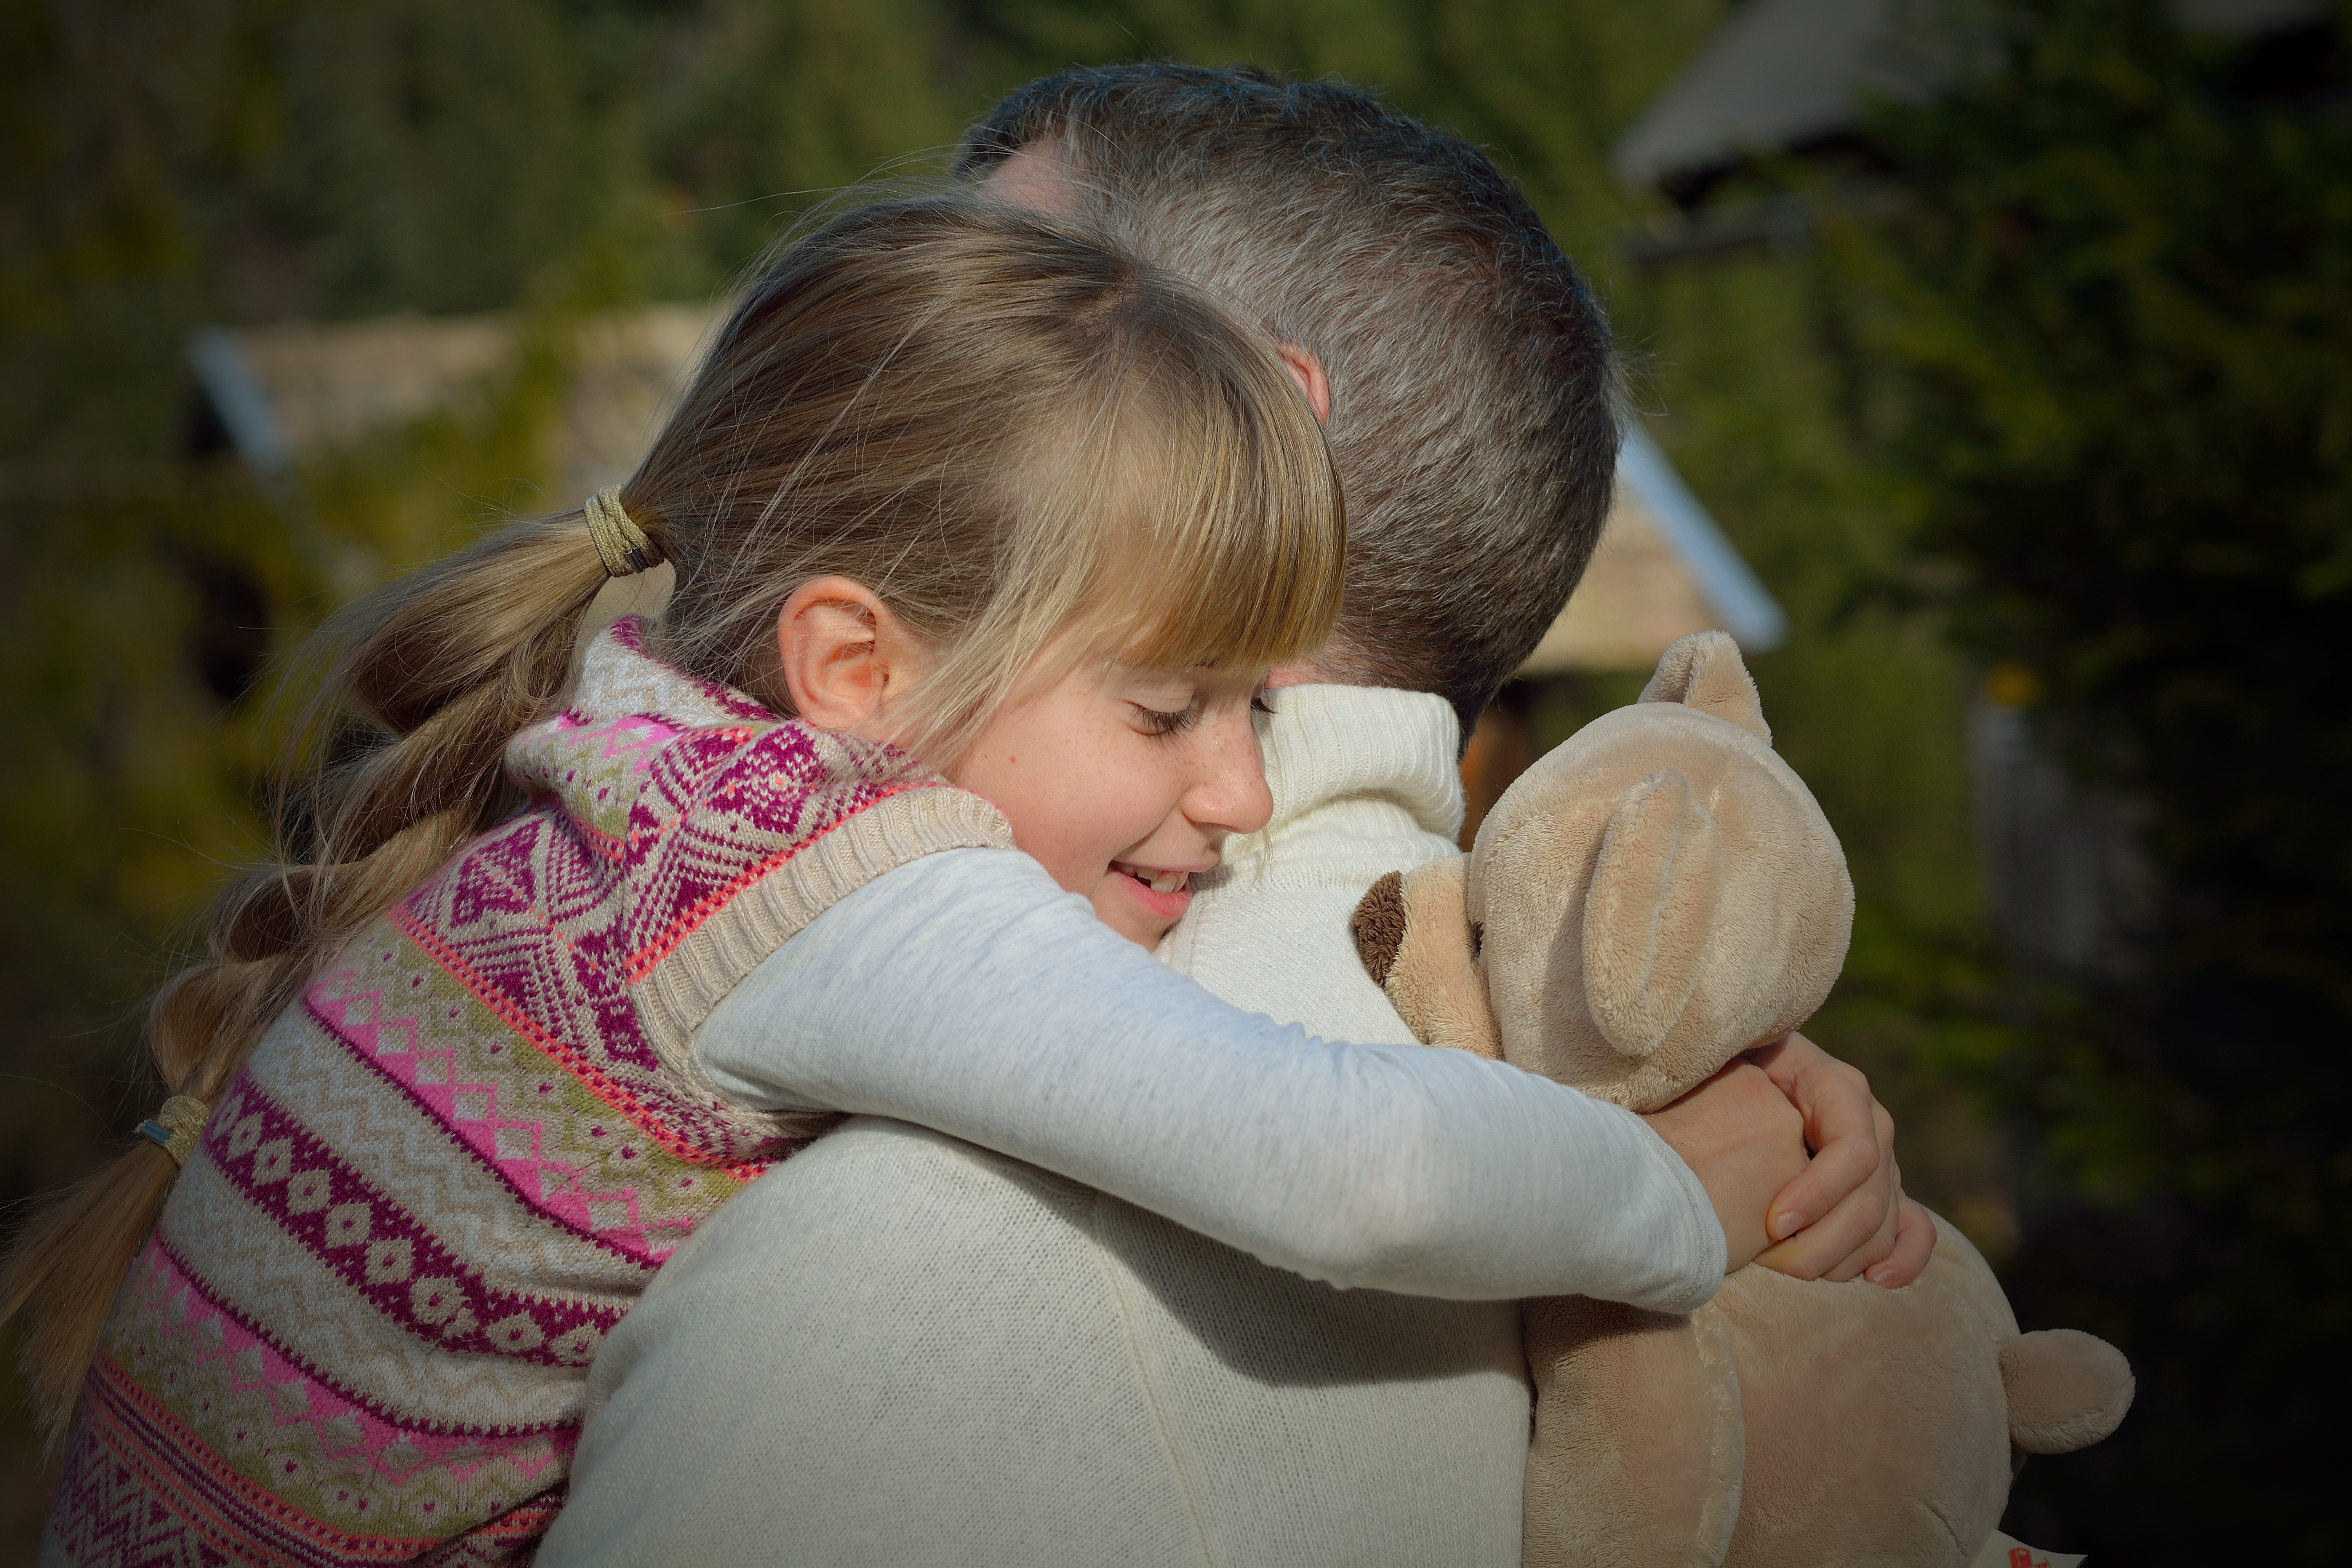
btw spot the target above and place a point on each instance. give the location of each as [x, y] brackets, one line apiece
[1845, 1213]
[1745, 1141]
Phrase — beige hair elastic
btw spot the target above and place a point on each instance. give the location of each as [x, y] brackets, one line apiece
[177, 1126]
[625, 547]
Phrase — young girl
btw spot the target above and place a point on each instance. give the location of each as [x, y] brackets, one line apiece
[543, 992]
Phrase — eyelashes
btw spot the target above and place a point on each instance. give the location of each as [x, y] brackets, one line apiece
[1175, 722]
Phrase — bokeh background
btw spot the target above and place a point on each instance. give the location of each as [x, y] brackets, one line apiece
[2024, 384]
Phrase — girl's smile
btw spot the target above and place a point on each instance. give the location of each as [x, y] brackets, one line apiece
[1126, 783]
[1165, 895]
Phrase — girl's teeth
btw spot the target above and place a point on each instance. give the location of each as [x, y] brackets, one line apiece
[1158, 882]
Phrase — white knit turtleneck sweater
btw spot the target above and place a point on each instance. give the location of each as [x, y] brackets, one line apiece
[1348, 1427]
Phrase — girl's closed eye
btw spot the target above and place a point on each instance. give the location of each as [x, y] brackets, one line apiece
[1161, 716]
[1167, 720]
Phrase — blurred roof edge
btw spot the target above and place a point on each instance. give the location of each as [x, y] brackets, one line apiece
[226, 377]
[1782, 74]
[1663, 571]
[1749, 612]
[284, 394]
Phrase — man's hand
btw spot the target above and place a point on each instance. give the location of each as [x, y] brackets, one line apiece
[1745, 1141]
[1845, 1213]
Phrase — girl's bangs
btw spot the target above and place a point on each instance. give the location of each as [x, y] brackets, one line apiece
[1175, 522]
[1233, 542]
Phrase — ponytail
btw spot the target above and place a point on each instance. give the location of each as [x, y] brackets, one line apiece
[443, 666]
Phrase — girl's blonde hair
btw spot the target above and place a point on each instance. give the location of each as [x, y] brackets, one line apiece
[1035, 450]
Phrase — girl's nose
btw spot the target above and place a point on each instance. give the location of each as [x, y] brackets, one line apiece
[1231, 793]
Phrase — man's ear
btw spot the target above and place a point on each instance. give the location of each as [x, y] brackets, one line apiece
[1307, 372]
[1035, 176]
[840, 648]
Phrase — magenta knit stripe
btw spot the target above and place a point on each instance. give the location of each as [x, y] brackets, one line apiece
[396, 1422]
[139, 1489]
[385, 1253]
[699, 813]
[239, 1402]
[506, 988]
[549, 933]
[633, 733]
[529, 1180]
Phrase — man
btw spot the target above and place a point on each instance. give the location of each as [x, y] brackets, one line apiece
[993, 1366]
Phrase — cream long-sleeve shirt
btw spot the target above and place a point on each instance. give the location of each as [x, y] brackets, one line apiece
[903, 1348]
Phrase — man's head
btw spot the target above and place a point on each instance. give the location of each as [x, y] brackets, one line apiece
[1473, 396]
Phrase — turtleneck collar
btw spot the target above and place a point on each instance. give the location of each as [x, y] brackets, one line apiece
[1329, 743]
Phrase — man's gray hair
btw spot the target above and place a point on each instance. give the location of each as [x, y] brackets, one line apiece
[1473, 396]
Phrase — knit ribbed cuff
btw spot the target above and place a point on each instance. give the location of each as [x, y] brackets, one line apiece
[682, 989]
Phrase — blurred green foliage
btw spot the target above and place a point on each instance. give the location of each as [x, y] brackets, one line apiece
[166, 166]
[2113, 344]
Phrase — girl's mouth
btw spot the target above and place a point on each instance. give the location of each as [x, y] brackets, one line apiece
[1163, 894]
[1161, 882]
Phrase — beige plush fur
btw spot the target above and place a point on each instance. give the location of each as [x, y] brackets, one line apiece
[1659, 1485]
[1657, 895]
[1660, 892]
[2066, 1390]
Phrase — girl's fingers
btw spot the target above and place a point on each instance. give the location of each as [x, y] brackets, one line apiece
[1852, 1226]
[1849, 1132]
[1851, 1138]
[1831, 1180]
[1915, 1243]
[1878, 1250]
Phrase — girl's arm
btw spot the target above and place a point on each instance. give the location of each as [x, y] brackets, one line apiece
[967, 993]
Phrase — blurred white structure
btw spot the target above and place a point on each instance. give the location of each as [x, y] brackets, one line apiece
[1781, 77]
[2065, 869]
[281, 395]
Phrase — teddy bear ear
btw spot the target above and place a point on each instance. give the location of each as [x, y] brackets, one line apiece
[1704, 670]
[2066, 1390]
[1650, 911]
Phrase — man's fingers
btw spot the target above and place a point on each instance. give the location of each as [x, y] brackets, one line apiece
[1915, 1243]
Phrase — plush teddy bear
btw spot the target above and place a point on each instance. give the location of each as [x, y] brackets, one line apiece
[1657, 895]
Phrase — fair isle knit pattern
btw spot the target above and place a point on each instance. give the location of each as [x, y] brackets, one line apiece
[361, 1331]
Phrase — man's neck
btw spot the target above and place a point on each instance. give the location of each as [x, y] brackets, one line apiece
[1284, 675]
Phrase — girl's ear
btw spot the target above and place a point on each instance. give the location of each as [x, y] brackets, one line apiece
[841, 647]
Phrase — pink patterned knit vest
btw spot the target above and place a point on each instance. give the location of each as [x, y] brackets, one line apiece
[360, 1333]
